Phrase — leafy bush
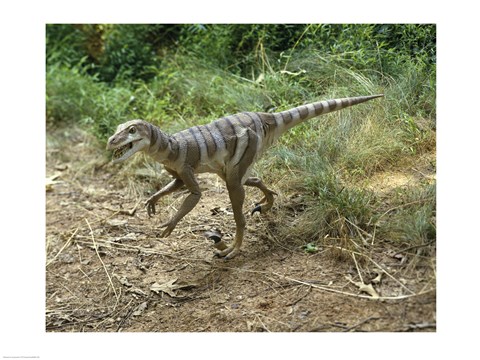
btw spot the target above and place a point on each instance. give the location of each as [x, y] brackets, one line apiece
[130, 51]
[65, 45]
[74, 97]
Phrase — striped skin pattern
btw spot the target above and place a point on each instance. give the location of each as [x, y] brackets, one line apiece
[227, 147]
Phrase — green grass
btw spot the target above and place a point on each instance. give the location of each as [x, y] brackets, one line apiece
[413, 220]
[73, 97]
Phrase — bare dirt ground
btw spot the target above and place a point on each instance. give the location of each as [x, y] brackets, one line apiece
[107, 270]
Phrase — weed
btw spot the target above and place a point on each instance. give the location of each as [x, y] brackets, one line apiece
[413, 220]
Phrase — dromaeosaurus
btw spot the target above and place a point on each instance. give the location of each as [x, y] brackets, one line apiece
[227, 147]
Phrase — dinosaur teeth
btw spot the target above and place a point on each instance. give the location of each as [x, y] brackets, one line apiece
[117, 153]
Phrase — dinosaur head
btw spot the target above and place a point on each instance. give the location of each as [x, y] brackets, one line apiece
[130, 137]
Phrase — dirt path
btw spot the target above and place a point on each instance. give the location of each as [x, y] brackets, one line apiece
[107, 270]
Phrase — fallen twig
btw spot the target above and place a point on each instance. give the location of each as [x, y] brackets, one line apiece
[328, 289]
[400, 297]
[403, 205]
[130, 212]
[361, 323]
[377, 265]
[364, 287]
[63, 247]
[356, 265]
[419, 326]
[103, 264]
[359, 231]
[413, 247]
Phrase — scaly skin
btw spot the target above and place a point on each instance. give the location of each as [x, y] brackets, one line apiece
[227, 147]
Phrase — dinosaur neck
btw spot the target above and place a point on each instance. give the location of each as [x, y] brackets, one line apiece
[159, 143]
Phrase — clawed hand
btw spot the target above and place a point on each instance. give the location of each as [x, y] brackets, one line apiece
[170, 225]
[150, 205]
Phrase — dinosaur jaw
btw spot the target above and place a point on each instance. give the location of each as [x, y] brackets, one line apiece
[125, 151]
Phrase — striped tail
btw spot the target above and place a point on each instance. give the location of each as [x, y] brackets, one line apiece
[295, 116]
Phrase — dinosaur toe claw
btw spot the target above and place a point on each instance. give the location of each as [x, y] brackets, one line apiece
[257, 208]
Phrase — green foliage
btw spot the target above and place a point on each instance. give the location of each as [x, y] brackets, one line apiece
[113, 53]
[74, 97]
[333, 199]
[204, 91]
[65, 44]
[130, 52]
[239, 48]
[310, 248]
[70, 94]
[378, 46]
[134, 51]
[368, 45]
[414, 220]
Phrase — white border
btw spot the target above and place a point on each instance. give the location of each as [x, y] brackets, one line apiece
[23, 173]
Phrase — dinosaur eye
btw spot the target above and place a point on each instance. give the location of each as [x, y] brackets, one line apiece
[132, 130]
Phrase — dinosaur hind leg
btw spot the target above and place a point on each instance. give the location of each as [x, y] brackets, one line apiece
[267, 202]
